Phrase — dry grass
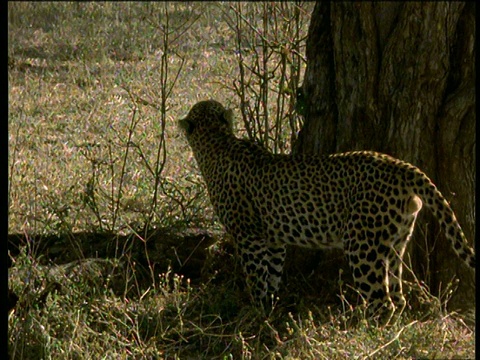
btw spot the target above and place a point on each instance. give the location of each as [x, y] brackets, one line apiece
[95, 90]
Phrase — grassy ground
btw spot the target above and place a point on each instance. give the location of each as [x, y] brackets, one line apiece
[95, 90]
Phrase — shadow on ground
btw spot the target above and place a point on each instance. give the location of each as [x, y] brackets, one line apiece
[185, 252]
[102, 257]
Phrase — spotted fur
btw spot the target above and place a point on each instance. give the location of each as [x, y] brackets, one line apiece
[363, 202]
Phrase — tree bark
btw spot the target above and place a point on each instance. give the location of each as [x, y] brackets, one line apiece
[399, 78]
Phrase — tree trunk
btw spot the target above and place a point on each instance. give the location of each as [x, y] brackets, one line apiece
[399, 78]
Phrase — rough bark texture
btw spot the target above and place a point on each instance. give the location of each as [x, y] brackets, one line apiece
[399, 78]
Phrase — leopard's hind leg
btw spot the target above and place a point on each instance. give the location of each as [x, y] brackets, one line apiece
[375, 255]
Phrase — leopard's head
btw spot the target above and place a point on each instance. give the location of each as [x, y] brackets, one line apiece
[207, 117]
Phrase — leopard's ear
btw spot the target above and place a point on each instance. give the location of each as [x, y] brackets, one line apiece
[187, 126]
[228, 117]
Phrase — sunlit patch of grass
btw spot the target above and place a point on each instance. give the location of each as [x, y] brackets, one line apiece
[69, 116]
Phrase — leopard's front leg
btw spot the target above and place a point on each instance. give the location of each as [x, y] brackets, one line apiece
[262, 264]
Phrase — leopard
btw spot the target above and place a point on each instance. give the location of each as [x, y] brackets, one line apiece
[363, 202]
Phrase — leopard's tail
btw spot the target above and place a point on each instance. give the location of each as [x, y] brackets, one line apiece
[436, 202]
